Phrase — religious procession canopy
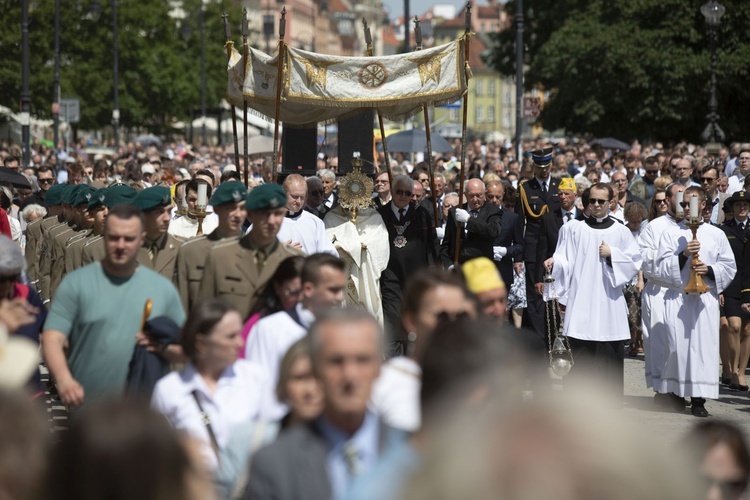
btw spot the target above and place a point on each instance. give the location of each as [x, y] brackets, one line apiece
[317, 87]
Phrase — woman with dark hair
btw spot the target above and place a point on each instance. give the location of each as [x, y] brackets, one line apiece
[723, 458]
[217, 396]
[431, 297]
[281, 293]
[121, 451]
[659, 204]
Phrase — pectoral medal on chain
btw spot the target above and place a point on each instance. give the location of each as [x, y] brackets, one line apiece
[400, 241]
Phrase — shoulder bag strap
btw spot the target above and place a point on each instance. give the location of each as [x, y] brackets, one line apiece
[206, 420]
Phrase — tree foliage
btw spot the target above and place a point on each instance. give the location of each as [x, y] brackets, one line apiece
[159, 58]
[636, 68]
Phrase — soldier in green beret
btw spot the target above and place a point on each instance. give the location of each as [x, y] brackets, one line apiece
[228, 202]
[61, 224]
[156, 204]
[236, 269]
[93, 248]
[36, 229]
[96, 212]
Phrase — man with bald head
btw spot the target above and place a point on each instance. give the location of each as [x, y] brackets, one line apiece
[476, 224]
[300, 227]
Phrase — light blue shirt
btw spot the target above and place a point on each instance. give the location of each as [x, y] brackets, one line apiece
[365, 441]
[389, 477]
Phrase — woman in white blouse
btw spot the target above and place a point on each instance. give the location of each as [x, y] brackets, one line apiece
[216, 398]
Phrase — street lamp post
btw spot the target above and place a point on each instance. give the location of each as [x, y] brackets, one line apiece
[25, 94]
[116, 107]
[712, 134]
[56, 81]
[519, 79]
[203, 75]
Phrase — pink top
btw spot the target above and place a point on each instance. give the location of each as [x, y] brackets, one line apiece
[249, 324]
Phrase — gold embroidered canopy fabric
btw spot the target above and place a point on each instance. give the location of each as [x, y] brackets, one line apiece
[318, 87]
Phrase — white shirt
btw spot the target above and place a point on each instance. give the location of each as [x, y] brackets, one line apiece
[186, 227]
[396, 210]
[268, 341]
[736, 183]
[395, 394]
[309, 231]
[238, 399]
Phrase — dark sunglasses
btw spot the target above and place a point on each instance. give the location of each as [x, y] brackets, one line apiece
[9, 278]
[401, 192]
[591, 162]
[597, 201]
[707, 179]
[652, 172]
[660, 201]
[46, 181]
[445, 316]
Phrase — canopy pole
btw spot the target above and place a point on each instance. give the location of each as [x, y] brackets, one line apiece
[426, 111]
[279, 75]
[229, 44]
[246, 156]
[462, 174]
[368, 40]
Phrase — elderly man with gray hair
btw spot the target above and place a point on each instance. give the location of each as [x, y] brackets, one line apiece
[414, 246]
[331, 196]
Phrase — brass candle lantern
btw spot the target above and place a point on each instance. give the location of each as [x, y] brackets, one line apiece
[696, 283]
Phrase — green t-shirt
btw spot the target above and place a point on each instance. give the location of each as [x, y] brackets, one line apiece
[101, 314]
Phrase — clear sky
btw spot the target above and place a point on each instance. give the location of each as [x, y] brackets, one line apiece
[418, 7]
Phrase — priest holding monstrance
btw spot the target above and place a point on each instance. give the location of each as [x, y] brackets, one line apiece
[359, 234]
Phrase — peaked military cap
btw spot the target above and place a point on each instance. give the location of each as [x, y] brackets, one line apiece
[736, 196]
[228, 192]
[542, 157]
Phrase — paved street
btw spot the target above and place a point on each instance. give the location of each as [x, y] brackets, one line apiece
[667, 425]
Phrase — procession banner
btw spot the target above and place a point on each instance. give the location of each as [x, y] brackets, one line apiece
[318, 87]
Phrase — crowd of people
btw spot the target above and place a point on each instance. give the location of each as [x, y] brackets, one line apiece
[287, 336]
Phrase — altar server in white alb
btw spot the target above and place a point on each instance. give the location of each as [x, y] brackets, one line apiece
[654, 322]
[593, 261]
[300, 227]
[692, 367]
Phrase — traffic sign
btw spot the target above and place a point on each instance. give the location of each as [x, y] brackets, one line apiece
[531, 107]
[70, 110]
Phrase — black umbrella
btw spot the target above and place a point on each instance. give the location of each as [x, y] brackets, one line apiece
[148, 140]
[415, 141]
[610, 143]
[10, 176]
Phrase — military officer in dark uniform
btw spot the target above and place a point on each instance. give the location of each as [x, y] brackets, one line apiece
[235, 270]
[228, 202]
[537, 196]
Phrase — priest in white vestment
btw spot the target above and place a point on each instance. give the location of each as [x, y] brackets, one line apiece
[692, 366]
[300, 227]
[592, 263]
[655, 333]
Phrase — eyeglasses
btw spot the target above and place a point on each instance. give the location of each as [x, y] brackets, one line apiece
[402, 192]
[598, 201]
[9, 278]
[707, 179]
[424, 179]
[660, 201]
[292, 292]
[445, 316]
[46, 181]
[591, 162]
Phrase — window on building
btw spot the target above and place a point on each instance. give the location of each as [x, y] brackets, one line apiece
[454, 115]
[490, 114]
[491, 88]
[479, 88]
[507, 119]
[507, 97]
[479, 114]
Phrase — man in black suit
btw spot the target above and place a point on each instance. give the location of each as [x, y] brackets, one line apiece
[477, 225]
[317, 460]
[507, 249]
[537, 197]
[414, 246]
[439, 180]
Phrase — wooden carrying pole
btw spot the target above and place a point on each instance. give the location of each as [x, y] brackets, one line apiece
[368, 41]
[279, 76]
[246, 156]
[425, 109]
[462, 174]
[229, 44]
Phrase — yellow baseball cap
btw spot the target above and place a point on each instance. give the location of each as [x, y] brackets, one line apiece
[481, 275]
[568, 184]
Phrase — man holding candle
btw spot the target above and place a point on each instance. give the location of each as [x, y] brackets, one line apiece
[692, 365]
[197, 193]
[593, 262]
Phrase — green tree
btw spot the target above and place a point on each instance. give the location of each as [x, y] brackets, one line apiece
[637, 68]
[159, 58]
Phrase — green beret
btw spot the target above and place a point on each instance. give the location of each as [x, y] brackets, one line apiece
[97, 199]
[119, 194]
[228, 192]
[55, 195]
[153, 197]
[83, 195]
[69, 198]
[266, 196]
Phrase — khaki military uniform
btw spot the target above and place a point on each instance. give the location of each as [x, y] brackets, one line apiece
[57, 257]
[190, 263]
[235, 271]
[74, 249]
[34, 233]
[166, 256]
[46, 256]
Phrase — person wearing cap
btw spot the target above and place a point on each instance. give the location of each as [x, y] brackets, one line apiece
[229, 205]
[97, 212]
[186, 227]
[592, 263]
[147, 174]
[45, 240]
[76, 197]
[74, 245]
[156, 205]
[737, 230]
[236, 269]
[484, 280]
[299, 226]
[35, 229]
[507, 248]
[95, 321]
[537, 196]
[693, 319]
